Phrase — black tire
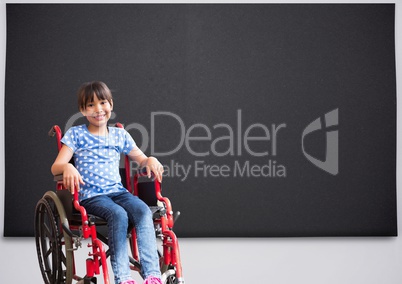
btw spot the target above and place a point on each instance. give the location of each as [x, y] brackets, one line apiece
[53, 244]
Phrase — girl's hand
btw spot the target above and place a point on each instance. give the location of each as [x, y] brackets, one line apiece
[152, 165]
[72, 178]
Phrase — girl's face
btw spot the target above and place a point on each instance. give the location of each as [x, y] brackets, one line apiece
[98, 113]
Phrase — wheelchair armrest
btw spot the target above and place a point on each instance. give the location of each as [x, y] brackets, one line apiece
[143, 187]
[58, 178]
[76, 205]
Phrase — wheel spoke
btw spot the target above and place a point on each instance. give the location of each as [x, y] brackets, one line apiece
[49, 252]
[46, 231]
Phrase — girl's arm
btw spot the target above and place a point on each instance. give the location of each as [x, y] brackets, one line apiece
[150, 163]
[71, 177]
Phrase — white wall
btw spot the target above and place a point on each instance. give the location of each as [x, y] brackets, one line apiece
[282, 260]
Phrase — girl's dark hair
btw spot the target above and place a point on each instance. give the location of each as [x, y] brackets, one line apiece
[88, 90]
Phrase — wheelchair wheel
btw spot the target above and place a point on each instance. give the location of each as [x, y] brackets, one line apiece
[53, 244]
[169, 277]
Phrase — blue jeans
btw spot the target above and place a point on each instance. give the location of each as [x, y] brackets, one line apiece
[118, 209]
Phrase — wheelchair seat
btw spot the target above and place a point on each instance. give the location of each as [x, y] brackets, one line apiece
[72, 214]
[146, 193]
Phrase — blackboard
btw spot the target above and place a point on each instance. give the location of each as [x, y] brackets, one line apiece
[272, 120]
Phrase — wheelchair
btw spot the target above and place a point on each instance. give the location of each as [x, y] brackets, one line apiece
[61, 224]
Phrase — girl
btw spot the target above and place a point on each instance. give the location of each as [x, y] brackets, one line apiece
[96, 149]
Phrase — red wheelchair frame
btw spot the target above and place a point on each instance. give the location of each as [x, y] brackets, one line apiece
[61, 223]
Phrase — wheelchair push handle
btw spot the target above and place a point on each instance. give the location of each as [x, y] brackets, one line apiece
[55, 130]
[51, 132]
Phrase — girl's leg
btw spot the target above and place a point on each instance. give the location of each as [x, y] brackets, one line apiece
[117, 219]
[141, 216]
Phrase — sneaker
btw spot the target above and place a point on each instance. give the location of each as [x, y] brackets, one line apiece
[128, 282]
[152, 280]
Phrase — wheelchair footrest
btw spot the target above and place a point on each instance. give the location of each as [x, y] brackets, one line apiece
[87, 280]
[90, 280]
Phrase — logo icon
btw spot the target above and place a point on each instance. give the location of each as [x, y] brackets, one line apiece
[330, 164]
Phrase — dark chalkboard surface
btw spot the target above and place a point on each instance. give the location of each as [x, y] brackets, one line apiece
[271, 119]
